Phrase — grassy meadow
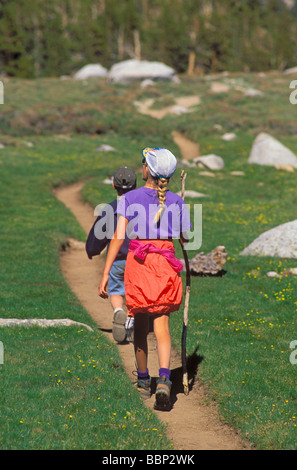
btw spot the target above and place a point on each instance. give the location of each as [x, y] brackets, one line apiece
[65, 388]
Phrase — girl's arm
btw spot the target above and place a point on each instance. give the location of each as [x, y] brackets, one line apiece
[113, 250]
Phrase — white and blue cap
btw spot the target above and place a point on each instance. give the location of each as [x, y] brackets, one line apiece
[161, 162]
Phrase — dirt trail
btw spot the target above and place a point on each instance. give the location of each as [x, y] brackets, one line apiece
[182, 104]
[189, 149]
[191, 424]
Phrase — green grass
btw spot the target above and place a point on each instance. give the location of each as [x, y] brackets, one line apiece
[58, 392]
[241, 323]
[61, 388]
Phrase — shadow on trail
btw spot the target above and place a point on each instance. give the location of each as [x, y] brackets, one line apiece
[105, 330]
[177, 387]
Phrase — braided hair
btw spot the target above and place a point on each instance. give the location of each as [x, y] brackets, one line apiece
[162, 189]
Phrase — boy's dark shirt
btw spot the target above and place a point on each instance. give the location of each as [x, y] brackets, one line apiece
[94, 246]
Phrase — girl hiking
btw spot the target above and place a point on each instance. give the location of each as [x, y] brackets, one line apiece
[152, 216]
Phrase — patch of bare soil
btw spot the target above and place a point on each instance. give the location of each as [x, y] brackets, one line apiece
[181, 104]
[189, 149]
[191, 424]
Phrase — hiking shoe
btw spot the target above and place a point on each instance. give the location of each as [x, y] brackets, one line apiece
[118, 327]
[162, 402]
[129, 327]
[144, 387]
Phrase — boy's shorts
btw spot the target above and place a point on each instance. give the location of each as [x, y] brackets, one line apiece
[116, 284]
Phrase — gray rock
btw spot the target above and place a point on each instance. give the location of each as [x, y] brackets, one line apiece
[105, 148]
[108, 181]
[42, 322]
[291, 70]
[91, 71]
[133, 70]
[253, 92]
[229, 136]
[280, 242]
[273, 274]
[212, 162]
[266, 150]
[287, 272]
[210, 264]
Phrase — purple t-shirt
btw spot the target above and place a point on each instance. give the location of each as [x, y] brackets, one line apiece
[140, 206]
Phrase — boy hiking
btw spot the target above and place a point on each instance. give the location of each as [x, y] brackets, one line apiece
[153, 216]
[124, 180]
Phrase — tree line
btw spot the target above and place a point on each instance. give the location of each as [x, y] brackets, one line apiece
[40, 38]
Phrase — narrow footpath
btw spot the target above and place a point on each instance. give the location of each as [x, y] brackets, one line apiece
[193, 423]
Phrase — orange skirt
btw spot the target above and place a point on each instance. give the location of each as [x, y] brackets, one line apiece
[152, 286]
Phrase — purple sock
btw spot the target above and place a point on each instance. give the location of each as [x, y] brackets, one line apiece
[165, 372]
[143, 375]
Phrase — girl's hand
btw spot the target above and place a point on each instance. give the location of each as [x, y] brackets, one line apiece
[102, 292]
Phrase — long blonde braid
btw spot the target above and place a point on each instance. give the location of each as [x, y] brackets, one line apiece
[162, 189]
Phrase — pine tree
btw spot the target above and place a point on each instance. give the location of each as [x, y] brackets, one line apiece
[13, 57]
[39, 38]
[171, 43]
[55, 50]
[88, 35]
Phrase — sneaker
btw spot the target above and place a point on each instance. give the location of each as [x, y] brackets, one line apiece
[129, 327]
[118, 327]
[144, 387]
[162, 402]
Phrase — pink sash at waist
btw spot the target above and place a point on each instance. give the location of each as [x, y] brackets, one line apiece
[141, 250]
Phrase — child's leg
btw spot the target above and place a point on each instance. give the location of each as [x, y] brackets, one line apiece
[162, 333]
[161, 329]
[116, 292]
[141, 330]
[116, 301]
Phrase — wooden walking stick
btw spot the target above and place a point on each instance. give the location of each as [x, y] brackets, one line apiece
[186, 305]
